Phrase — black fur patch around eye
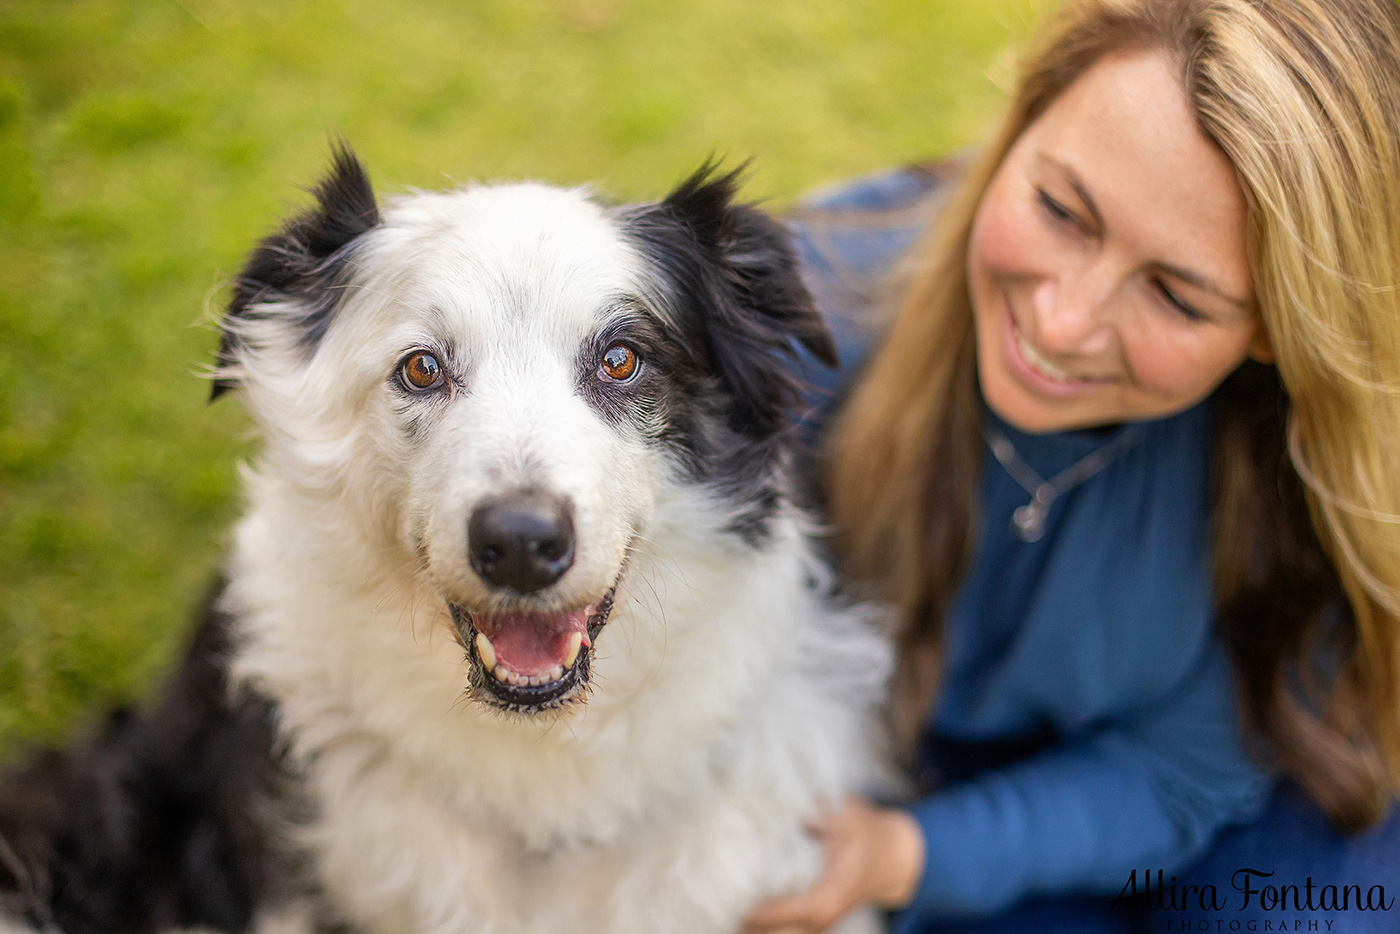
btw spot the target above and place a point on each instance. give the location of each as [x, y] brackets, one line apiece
[729, 279]
[306, 263]
[664, 401]
[731, 272]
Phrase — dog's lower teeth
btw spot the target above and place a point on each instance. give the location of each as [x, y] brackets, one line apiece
[486, 651]
[493, 665]
[506, 676]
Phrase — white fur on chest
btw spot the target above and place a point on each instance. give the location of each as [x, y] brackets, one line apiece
[727, 710]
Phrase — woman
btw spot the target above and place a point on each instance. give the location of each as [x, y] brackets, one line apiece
[1166, 302]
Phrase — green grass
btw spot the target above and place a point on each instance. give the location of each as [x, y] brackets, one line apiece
[144, 145]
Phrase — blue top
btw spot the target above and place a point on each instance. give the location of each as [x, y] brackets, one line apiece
[1101, 633]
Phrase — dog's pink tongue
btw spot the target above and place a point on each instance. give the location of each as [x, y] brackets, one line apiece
[533, 643]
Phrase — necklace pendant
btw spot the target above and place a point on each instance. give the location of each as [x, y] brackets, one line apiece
[1029, 520]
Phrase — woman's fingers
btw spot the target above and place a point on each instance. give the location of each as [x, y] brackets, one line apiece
[872, 855]
[814, 910]
[779, 913]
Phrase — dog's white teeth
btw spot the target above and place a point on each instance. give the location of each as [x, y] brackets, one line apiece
[486, 651]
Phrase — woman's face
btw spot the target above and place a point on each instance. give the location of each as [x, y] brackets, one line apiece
[1107, 261]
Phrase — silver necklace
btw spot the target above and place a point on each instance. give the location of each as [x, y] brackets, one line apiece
[1029, 520]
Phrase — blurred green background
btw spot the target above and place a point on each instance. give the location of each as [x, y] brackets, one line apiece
[145, 144]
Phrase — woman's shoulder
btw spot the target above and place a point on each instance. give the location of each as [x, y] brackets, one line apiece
[851, 235]
[850, 238]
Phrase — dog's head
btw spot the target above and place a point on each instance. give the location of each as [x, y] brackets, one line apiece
[496, 386]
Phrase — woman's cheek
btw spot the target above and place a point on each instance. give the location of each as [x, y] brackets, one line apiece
[1180, 368]
[1004, 243]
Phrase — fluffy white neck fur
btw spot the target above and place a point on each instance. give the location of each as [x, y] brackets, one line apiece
[695, 678]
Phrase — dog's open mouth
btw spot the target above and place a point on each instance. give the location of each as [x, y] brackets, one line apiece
[529, 661]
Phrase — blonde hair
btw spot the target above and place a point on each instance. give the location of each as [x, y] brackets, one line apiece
[1303, 96]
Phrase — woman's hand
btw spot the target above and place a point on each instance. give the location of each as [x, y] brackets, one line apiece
[873, 854]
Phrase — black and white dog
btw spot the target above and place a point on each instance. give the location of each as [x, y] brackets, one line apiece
[521, 631]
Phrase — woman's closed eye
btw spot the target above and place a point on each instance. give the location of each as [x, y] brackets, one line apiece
[1057, 211]
[1175, 301]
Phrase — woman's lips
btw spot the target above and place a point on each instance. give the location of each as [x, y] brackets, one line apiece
[1037, 373]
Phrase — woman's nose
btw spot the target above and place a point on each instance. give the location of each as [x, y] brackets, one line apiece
[1074, 312]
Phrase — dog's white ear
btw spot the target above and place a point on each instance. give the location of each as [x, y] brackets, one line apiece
[757, 303]
[296, 271]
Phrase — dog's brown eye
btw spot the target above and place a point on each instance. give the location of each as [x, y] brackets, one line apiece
[421, 371]
[619, 363]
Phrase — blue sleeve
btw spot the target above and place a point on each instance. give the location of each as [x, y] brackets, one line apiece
[1147, 792]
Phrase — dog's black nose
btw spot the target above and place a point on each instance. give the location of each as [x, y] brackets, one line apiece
[524, 541]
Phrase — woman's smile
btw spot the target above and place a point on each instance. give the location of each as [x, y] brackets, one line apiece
[1033, 368]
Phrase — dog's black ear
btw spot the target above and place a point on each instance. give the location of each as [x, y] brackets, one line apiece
[758, 303]
[304, 262]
